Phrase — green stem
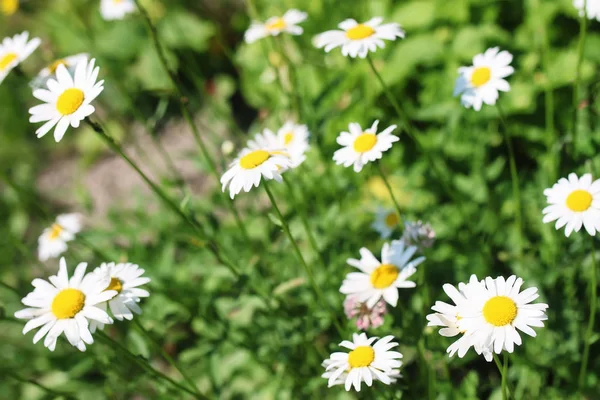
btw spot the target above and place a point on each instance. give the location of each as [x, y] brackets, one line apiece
[503, 369]
[390, 191]
[52, 392]
[188, 117]
[145, 365]
[580, 51]
[514, 178]
[9, 287]
[590, 328]
[304, 220]
[166, 355]
[307, 269]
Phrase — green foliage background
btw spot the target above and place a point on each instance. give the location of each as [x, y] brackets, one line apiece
[224, 336]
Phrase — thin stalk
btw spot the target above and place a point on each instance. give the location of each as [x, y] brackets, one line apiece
[503, 369]
[187, 115]
[580, 48]
[591, 319]
[10, 288]
[294, 90]
[301, 213]
[51, 392]
[390, 191]
[166, 355]
[514, 178]
[307, 269]
[145, 365]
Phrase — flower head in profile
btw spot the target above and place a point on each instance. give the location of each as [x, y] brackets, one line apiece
[386, 221]
[125, 279]
[357, 39]
[9, 7]
[70, 62]
[379, 280]
[369, 359]
[573, 203]
[62, 305]
[67, 99]
[496, 310]
[360, 147]
[53, 241]
[14, 50]
[116, 9]
[592, 8]
[447, 316]
[290, 138]
[366, 317]
[481, 82]
[418, 234]
[252, 165]
[276, 25]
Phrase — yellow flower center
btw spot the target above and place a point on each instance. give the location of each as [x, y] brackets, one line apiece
[579, 200]
[9, 7]
[115, 284]
[481, 76]
[55, 231]
[278, 24]
[52, 67]
[391, 220]
[359, 32]
[69, 101]
[254, 159]
[362, 356]
[6, 60]
[287, 139]
[384, 275]
[500, 310]
[67, 303]
[365, 142]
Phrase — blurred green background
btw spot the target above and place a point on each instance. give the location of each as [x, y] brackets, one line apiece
[224, 337]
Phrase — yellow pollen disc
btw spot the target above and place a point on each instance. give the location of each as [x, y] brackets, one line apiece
[362, 356]
[9, 7]
[254, 159]
[384, 275]
[481, 76]
[6, 60]
[365, 142]
[69, 101]
[115, 284]
[287, 139]
[500, 310]
[67, 303]
[391, 220]
[359, 32]
[52, 67]
[55, 231]
[278, 24]
[579, 200]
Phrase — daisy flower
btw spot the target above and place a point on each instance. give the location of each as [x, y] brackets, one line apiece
[15, 50]
[447, 317]
[66, 305]
[481, 83]
[49, 71]
[593, 8]
[357, 39]
[53, 241]
[341, 379]
[361, 147]
[9, 7]
[574, 202]
[382, 279]
[495, 310]
[124, 279]
[386, 221]
[418, 234]
[370, 359]
[365, 317]
[290, 138]
[67, 99]
[251, 165]
[116, 9]
[275, 25]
